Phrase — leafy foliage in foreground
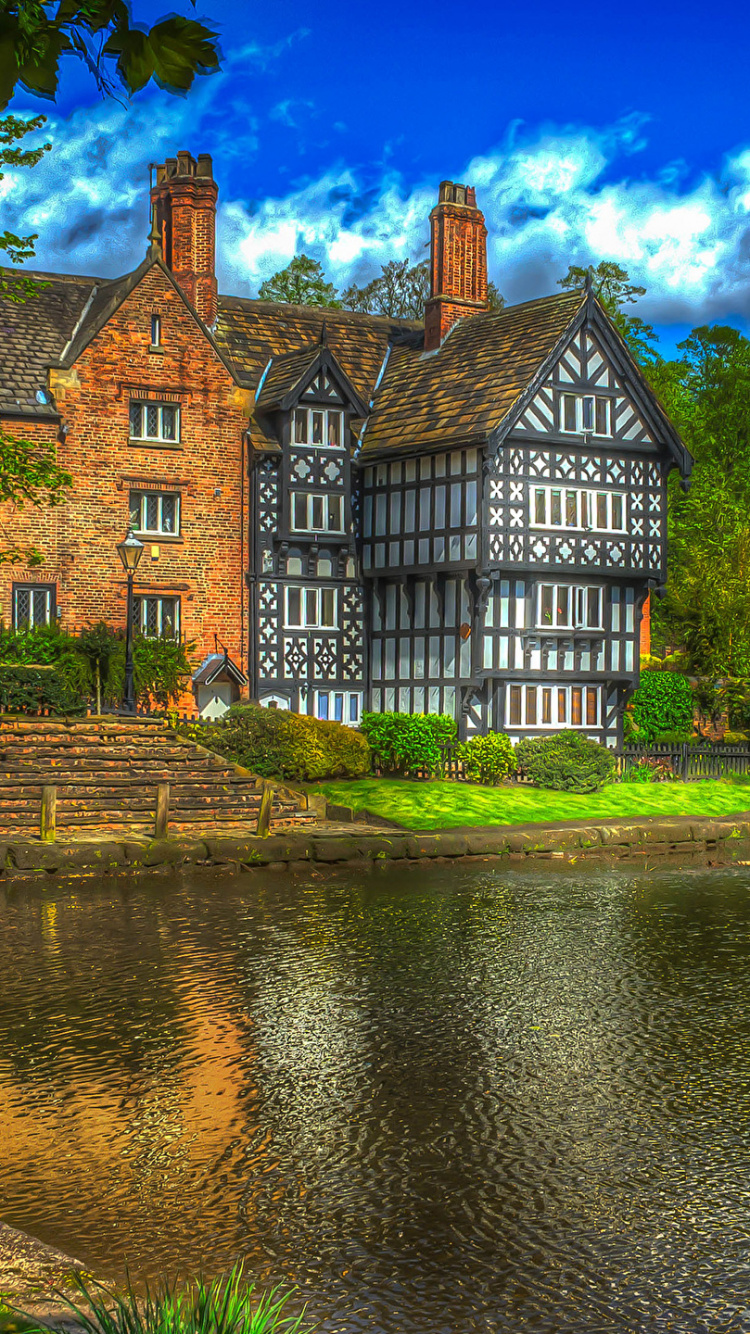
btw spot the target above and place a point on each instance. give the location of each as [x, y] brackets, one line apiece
[663, 703]
[224, 1306]
[403, 743]
[277, 744]
[567, 762]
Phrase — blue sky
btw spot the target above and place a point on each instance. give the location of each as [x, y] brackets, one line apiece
[590, 132]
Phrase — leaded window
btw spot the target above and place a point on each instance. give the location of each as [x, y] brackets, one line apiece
[318, 426]
[566, 606]
[317, 513]
[581, 413]
[155, 512]
[154, 421]
[33, 604]
[541, 706]
[567, 507]
[311, 608]
[157, 617]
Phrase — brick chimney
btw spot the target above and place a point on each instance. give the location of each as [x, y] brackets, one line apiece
[458, 262]
[184, 202]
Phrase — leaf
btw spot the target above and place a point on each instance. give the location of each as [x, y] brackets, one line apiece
[136, 61]
[181, 49]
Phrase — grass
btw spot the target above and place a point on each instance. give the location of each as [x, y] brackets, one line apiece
[441, 804]
[224, 1306]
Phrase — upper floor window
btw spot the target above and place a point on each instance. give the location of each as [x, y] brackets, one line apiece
[155, 421]
[566, 507]
[311, 608]
[157, 617]
[585, 412]
[318, 426]
[33, 604]
[155, 512]
[565, 606]
[317, 514]
[156, 330]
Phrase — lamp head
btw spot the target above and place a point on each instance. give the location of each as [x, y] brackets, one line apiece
[130, 551]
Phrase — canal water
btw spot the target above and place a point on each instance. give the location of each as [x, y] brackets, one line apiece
[442, 1099]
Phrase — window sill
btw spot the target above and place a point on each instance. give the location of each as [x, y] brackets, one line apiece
[138, 443]
[156, 349]
[158, 539]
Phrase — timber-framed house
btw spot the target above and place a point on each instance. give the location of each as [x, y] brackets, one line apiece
[463, 515]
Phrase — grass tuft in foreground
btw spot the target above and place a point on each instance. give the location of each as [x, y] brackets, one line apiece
[224, 1306]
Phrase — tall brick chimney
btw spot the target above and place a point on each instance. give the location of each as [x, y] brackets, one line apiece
[458, 262]
[184, 202]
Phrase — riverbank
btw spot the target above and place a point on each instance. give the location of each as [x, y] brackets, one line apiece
[712, 841]
[30, 1275]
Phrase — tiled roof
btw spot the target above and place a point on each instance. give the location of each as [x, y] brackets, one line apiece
[284, 374]
[465, 389]
[251, 332]
[33, 334]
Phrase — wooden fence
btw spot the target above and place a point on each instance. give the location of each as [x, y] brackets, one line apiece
[691, 762]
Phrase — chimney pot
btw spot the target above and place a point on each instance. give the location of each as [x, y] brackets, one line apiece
[184, 204]
[458, 262]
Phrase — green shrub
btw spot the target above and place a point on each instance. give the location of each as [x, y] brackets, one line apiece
[404, 742]
[488, 759]
[663, 703]
[735, 738]
[650, 769]
[277, 744]
[25, 688]
[568, 761]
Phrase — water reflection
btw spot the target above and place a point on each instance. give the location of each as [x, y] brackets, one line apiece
[437, 1100]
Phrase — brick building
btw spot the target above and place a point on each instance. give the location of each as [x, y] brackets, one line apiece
[465, 515]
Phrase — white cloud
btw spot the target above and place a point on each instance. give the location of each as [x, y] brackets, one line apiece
[551, 196]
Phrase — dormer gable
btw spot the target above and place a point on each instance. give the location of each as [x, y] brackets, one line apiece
[311, 375]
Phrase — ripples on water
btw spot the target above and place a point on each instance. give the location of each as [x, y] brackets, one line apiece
[438, 1100]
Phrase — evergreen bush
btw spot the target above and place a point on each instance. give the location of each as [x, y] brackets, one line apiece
[568, 762]
[663, 703]
[34, 689]
[404, 742]
[277, 744]
[488, 759]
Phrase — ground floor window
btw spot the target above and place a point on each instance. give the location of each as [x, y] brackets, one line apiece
[157, 617]
[33, 604]
[554, 706]
[340, 706]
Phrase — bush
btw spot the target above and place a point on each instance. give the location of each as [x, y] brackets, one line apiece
[488, 759]
[662, 703]
[37, 689]
[404, 742]
[568, 762]
[276, 744]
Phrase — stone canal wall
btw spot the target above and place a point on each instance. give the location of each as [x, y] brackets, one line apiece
[711, 840]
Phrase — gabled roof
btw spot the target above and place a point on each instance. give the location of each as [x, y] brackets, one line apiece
[463, 390]
[251, 333]
[288, 376]
[218, 667]
[33, 334]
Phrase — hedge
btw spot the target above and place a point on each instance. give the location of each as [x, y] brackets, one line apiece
[403, 743]
[277, 744]
[567, 761]
[488, 759]
[34, 689]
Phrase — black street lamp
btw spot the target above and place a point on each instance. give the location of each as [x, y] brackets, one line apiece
[130, 551]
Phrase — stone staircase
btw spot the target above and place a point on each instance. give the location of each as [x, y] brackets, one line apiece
[106, 772]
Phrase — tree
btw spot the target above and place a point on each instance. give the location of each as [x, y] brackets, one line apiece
[611, 284]
[401, 291]
[301, 283]
[120, 55]
[18, 248]
[29, 475]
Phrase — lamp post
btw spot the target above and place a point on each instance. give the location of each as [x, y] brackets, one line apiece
[130, 551]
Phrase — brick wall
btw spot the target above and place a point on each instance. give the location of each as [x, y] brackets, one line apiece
[204, 565]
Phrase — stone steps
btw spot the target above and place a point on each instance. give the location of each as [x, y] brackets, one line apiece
[106, 772]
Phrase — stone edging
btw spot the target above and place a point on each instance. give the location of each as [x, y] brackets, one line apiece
[725, 839]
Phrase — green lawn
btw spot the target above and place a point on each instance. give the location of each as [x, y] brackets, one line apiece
[440, 805]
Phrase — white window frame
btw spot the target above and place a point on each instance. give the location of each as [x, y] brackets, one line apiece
[305, 414]
[585, 414]
[159, 531]
[140, 614]
[327, 704]
[160, 438]
[556, 723]
[585, 506]
[579, 597]
[310, 498]
[310, 596]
